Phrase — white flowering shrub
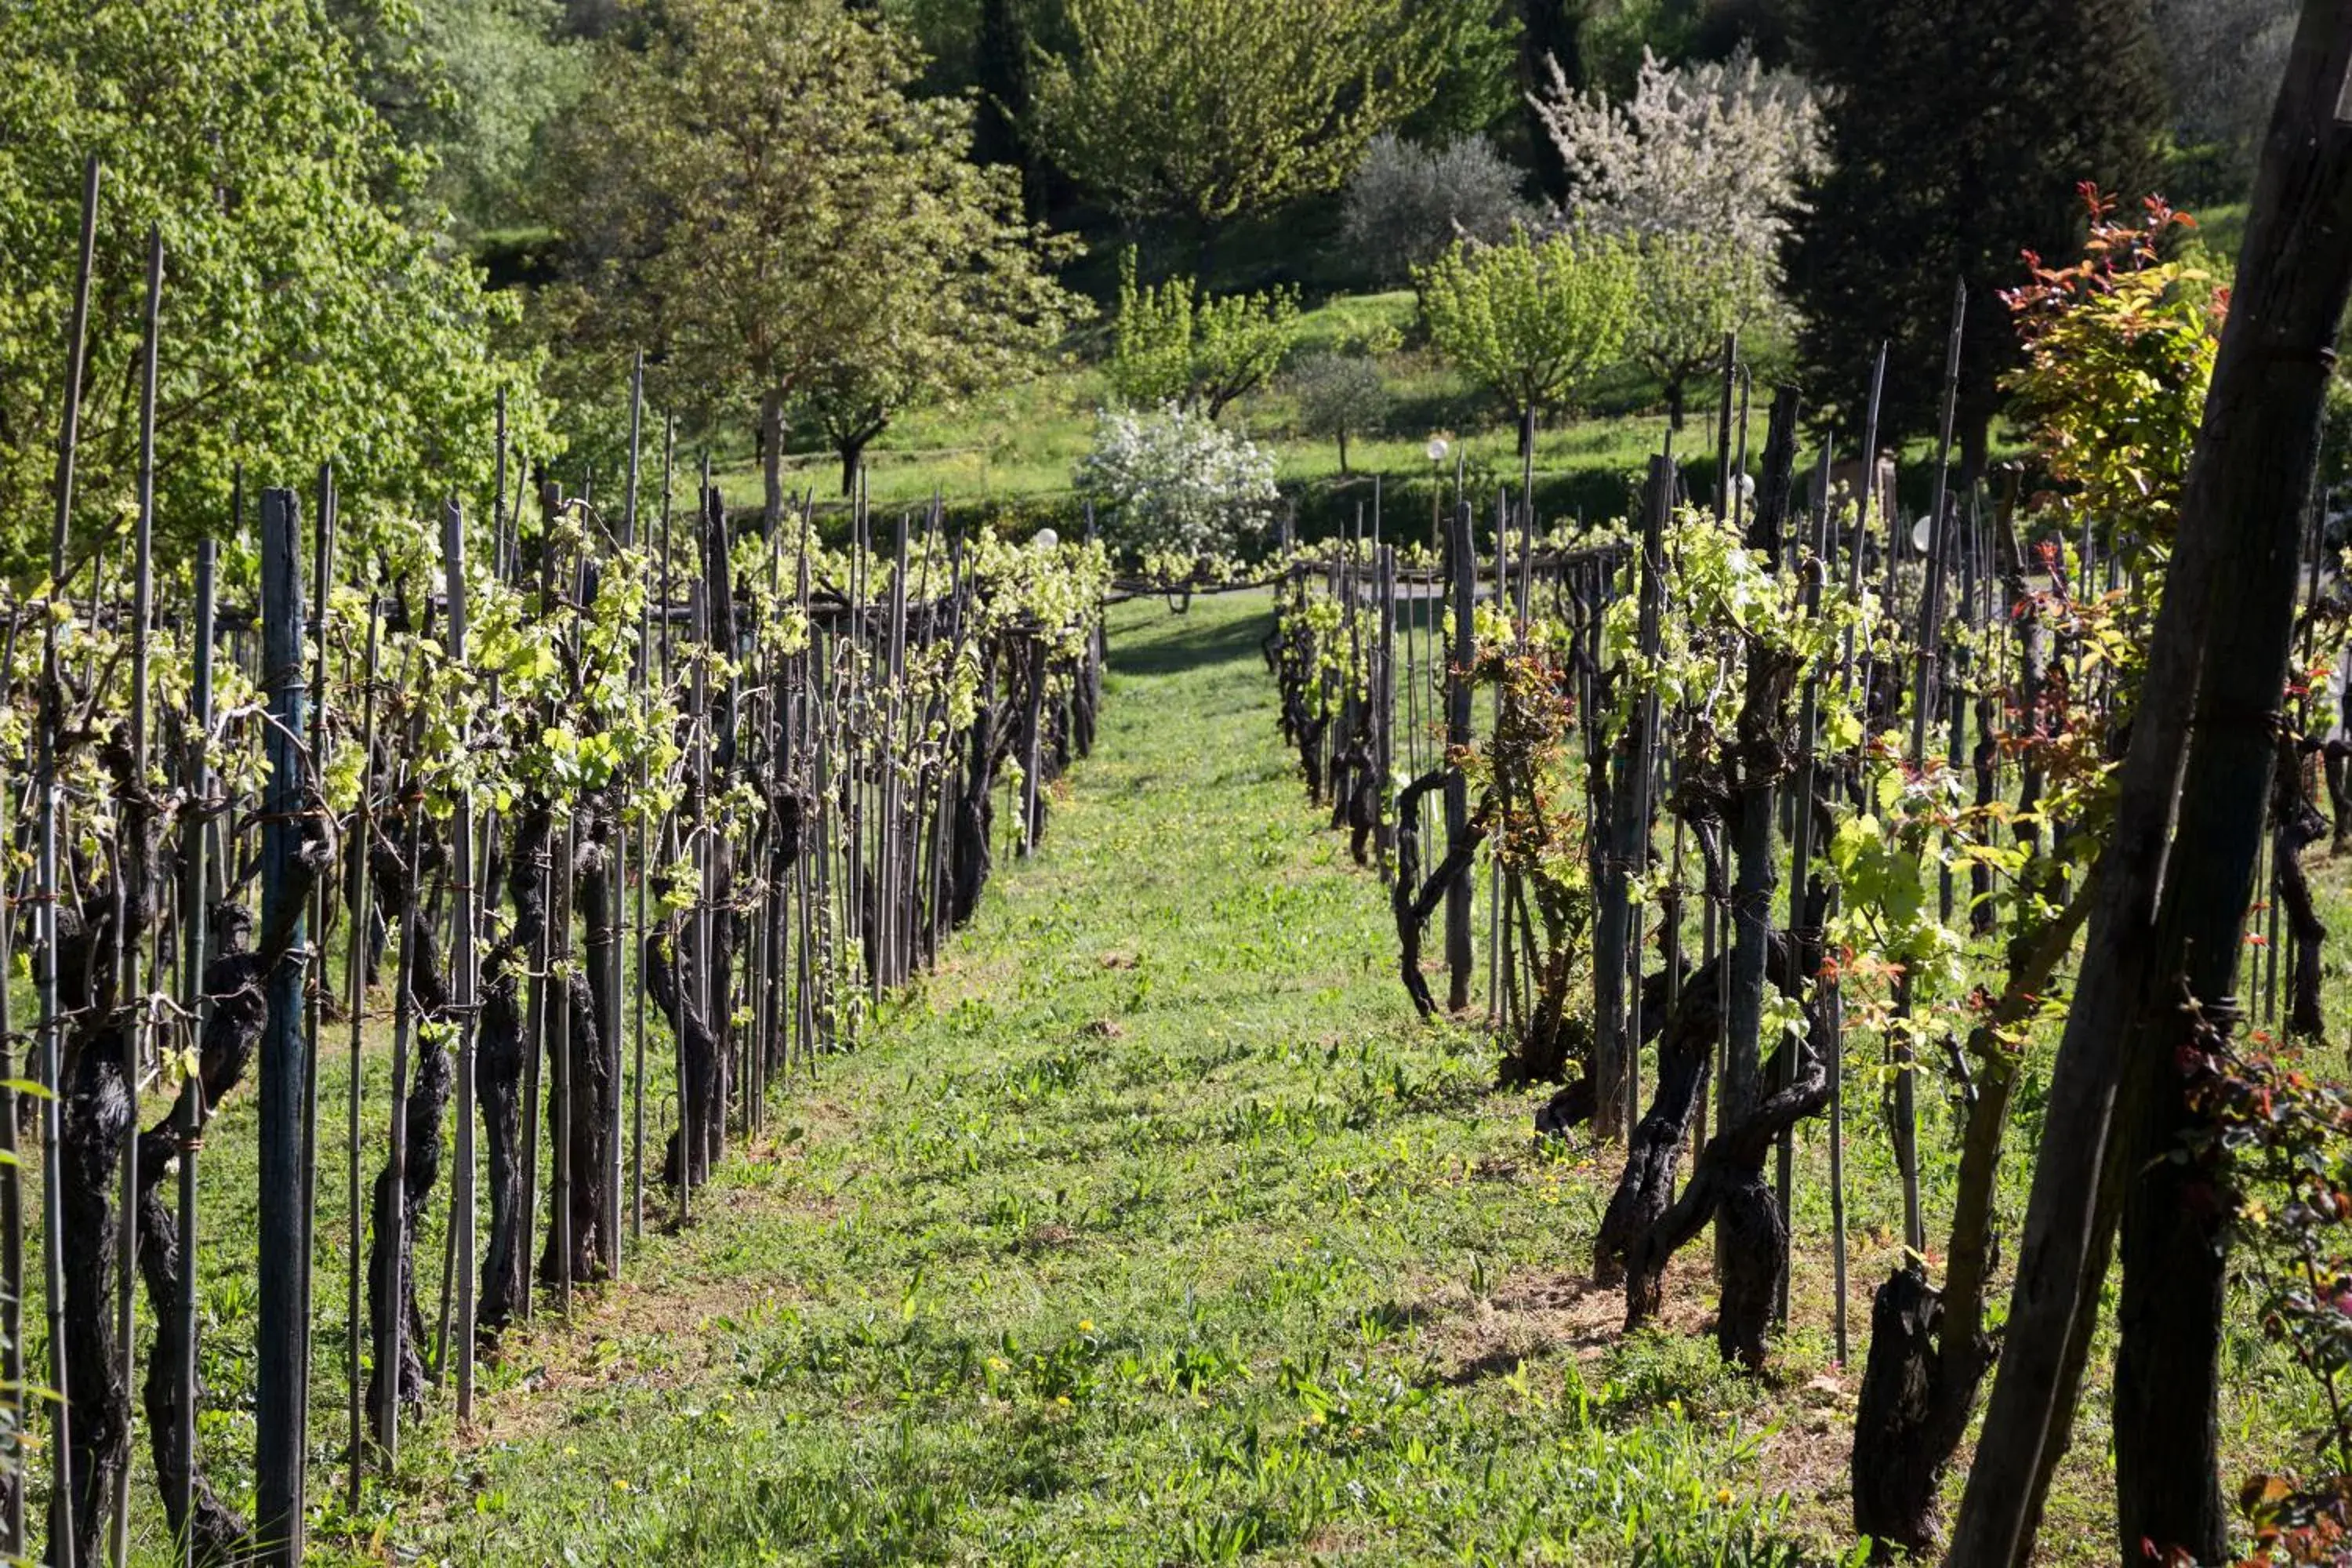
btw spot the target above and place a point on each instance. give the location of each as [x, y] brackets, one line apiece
[1173, 481]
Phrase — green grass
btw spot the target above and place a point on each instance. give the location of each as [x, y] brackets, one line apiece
[1025, 443]
[1154, 1229]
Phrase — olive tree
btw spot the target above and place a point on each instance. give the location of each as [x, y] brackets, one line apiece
[1338, 395]
[1406, 202]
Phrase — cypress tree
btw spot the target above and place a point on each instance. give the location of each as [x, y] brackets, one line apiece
[1958, 132]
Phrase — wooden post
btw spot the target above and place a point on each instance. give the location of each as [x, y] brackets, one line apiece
[282, 1346]
[189, 1123]
[12, 1208]
[1801, 933]
[463, 957]
[128, 990]
[1029, 751]
[322, 890]
[363, 834]
[559, 1056]
[1635, 850]
[2173, 888]
[1464, 573]
[52, 1044]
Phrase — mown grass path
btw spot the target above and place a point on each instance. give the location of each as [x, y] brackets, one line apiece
[1152, 1229]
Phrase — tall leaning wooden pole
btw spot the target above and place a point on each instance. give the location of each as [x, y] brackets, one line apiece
[2174, 885]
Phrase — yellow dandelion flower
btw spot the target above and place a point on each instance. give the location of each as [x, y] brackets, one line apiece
[1722, 1497]
[1085, 1325]
[1062, 1400]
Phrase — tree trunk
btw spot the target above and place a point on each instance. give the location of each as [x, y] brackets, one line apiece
[1928, 1351]
[772, 459]
[2296, 826]
[583, 1116]
[96, 1119]
[1527, 431]
[2176, 878]
[1461, 568]
[399, 1197]
[1756, 770]
[853, 457]
[231, 1031]
[392, 1261]
[1654, 1151]
[673, 978]
[1976, 443]
[1728, 1188]
[500, 1062]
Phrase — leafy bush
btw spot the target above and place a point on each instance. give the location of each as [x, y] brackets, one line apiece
[1405, 204]
[1174, 343]
[1174, 482]
[1530, 320]
[2119, 349]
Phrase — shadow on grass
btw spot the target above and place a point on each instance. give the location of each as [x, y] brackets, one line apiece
[1189, 641]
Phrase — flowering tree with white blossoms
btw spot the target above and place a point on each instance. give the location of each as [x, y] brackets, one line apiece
[1174, 483]
[1700, 169]
[1715, 149]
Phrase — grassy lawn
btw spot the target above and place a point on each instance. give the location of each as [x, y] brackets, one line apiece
[1151, 1230]
[1024, 442]
[1154, 1229]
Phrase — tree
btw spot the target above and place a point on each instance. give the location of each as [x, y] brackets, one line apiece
[1173, 484]
[756, 200]
[1340, 395]
[1528, 320]
[472, 82]
[1171, 343]
[1621, 35]
[1958, 132]
[1406, 202]
[1475, 43]
[303, 319]
[1000, 63]
[1719, 150]
[2124, 1141]
[1693, 291]
[1212, 109]
[2223, 58]
[1549, 31]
